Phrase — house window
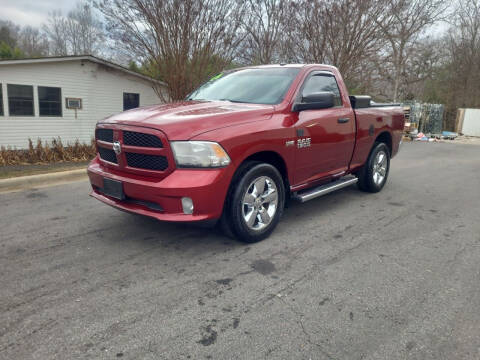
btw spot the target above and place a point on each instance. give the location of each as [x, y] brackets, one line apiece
[20, 100]
[1, 100]
[50, 101]
[130, 101]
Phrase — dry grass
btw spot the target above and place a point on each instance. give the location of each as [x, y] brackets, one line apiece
[47, 153]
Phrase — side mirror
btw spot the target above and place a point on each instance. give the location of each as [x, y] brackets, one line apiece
[318, 100]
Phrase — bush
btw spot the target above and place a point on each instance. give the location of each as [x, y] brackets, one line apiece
[46, 153]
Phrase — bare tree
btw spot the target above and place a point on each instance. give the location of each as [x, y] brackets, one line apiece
[85, 30]
[187, 40]
[56, 31]
[464, 47]
[9, 33]
[80, 32]
[344, 33]
[308, 29]
[265, 24]
[352, 34]
[405, 21]
[457, 82]
[32, 42]
[423, 59]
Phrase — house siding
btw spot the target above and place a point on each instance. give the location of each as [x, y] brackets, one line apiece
[100, 87]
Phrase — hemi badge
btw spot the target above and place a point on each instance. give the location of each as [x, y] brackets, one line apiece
[289, 143]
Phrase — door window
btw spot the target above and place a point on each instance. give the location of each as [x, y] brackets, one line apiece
[320, 83]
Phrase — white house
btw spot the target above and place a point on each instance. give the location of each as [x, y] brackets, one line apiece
[64, 97]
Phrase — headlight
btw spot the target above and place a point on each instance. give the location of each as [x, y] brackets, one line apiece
[190, 154]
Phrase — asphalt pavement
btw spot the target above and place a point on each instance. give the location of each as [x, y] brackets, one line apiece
[393, 275]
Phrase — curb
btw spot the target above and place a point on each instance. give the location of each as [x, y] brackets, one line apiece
[26, 182]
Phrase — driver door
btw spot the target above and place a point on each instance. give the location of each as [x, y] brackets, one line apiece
[325, 137]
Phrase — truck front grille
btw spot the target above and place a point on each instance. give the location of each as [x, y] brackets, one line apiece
[148, 162]
[107, 155]
[104, 135]
[134, 138]
[140, 151]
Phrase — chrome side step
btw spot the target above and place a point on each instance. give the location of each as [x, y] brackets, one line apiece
[324, 189]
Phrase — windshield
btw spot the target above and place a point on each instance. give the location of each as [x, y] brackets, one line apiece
[255, 86]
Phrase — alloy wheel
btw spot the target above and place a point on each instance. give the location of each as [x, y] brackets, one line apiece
[260, 203]
[380, 168]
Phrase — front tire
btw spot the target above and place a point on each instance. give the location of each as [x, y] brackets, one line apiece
[373, 175]
[256, 202]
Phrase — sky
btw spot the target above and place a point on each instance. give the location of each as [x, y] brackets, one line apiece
[32, 12]
[35, 12]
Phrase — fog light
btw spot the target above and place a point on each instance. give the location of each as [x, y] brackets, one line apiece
[187, 205]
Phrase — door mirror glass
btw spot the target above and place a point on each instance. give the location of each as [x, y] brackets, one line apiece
[317, 100]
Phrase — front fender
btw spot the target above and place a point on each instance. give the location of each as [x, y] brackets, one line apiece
[245, 140]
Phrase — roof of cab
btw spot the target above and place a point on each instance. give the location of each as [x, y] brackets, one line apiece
[288, 66]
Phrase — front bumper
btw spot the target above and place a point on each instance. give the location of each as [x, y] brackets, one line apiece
[161, 199]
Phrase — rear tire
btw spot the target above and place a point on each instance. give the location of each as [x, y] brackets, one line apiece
[255, 203]
[373, 175]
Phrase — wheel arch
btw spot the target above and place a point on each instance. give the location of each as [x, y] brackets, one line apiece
[264, 156]
[273, 158]
[386, 138]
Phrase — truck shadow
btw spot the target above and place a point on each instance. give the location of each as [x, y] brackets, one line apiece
[146, 232]
[185, 236]
[334, 201]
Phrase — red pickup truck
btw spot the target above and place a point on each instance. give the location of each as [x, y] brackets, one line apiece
[242, 145]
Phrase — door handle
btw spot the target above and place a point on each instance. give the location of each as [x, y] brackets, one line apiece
[343, 120]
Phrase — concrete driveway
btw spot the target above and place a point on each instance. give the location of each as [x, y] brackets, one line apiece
[394, 275]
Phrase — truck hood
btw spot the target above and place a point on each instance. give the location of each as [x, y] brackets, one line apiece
[185, 120]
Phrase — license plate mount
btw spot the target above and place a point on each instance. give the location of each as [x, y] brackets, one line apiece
[113, 188]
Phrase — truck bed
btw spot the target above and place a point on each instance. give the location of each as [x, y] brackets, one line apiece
[371, 122]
